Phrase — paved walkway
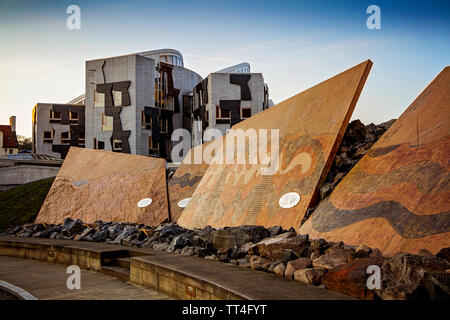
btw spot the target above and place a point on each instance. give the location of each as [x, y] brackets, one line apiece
[47, 281]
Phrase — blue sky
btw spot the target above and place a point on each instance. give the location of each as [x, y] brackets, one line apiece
[295, 44]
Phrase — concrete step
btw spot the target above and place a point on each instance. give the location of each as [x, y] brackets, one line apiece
[121, 262]
[118, 272]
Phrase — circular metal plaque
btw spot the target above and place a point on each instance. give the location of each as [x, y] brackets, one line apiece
[289, 200]
[183, 203]
[144, 202]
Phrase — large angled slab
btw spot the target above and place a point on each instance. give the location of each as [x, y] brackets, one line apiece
[101, 185]
[311, 125]
[397, 198]
[183, 184]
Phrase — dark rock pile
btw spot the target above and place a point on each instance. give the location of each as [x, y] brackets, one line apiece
[337, 266]
[357, 141]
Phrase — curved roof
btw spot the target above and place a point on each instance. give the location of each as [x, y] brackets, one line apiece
[161, 51]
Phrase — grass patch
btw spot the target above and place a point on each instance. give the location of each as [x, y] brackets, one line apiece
[22, 204]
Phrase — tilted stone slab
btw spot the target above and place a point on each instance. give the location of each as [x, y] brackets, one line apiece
[311, 126]
[183, 183]
[397, 198]
[101, 185]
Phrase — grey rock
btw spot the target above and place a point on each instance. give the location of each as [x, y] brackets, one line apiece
[330, 261]
[100, 236]
[294, 265]
[310, 275]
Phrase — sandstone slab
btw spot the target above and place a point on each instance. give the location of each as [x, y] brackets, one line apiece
[101, 185]
[310, 128]
[396, 198]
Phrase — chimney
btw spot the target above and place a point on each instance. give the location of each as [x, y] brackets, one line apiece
[12, 123]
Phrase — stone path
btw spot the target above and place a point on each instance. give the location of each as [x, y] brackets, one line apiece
[47, 281]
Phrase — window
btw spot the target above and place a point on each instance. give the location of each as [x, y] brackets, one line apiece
[11, 151]
[146, 121]
[55, 116]
[65, 137]
[48, 137]
[163, 125]
[73, 117]
[117, 96]
[99, 99]
[101, 145]
[222, 113]
[246, 113]
[117, 145]
[153, 148]
[81, 138]
[107, 123]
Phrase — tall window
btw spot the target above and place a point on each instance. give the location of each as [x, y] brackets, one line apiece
[65, 137]
[48, 137]
[107, 123]
[99, 99]
[153, 148]
[117, 95]
[222, 113]
[117, 145]
[246, 113]
[55, 116]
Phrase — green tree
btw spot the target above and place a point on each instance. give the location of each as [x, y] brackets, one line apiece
[24, 142]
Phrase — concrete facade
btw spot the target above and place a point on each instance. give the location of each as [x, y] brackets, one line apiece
[143, 74]
[53, 128]
[220, 88]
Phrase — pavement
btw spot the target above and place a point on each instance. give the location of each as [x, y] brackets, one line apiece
[47, 281]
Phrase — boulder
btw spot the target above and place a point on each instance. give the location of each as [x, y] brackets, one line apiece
[127, 231]
[351, 278]
[260, 263]
[100, 236]
[273, 248]
[444, 254]
[189, 251]
[362, 251]
[235, 236]
[274, 231]
[72, 227]
[86, 232]
[426, 253]
[403, 276]
[310, 275]
[318, 247]
[206, 234]
[179, 242]
[292, 266]
[160, 246]
[330, 261]
[279, 269]
[245, 248]
[114, 230]
[223, 254]
[376, 253]
[170, 230]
